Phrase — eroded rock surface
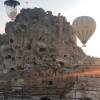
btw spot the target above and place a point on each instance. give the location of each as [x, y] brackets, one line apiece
[39, 38]
[43, 43]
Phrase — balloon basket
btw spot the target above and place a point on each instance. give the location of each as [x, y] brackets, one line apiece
[83, 45]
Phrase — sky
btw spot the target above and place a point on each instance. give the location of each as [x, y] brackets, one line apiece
[68, 8]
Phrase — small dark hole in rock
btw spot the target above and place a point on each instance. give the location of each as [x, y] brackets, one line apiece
[29, 47]
[40, 38]
[34, 62]
[61, 63]
[50, 82]
[8, 57]
[11, 40]
[42, 49]
[52, 55]
[12, 69]
[65, 55]
[45, 98]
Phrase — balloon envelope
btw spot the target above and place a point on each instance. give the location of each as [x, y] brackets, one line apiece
[84, 27]
[11, 12]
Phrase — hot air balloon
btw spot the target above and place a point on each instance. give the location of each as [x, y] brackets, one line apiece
[11, 8]
[84, 27]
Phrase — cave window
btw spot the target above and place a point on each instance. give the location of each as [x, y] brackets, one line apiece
[29, 47]
[11, 40]
[61, 63]
[8, 57]
[65, 55]
[40, 38]
[12, 69]
[50, 82]
[45, 98]
[52, 55]
[42, 49]
[34, 62]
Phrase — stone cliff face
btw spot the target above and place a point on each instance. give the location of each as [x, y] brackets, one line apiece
[43, 42]
[38, 38]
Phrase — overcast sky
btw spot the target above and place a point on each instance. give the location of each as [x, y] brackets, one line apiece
[70, 9]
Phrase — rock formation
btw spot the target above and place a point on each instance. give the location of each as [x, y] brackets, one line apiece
[38, 38]
[41, 44]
